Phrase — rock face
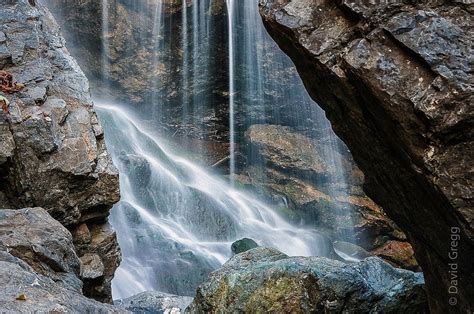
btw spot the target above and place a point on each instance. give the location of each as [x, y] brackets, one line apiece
[323, 189]
[395, 81]
[265, 280]
[39, 268]
[52, 150]
[154, 302]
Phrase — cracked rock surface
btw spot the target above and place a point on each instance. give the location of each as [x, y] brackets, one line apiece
[395, 80]
[52, 149]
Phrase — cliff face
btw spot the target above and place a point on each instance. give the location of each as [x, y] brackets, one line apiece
[396, 82]
[52, 150]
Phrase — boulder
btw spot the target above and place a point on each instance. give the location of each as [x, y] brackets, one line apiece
[39, 268]
[43, 243]
[394, 79]
[243, 245]
[154, 302]
[24, 291]
[266, 280]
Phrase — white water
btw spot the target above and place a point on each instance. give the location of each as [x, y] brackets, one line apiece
[175, 219]
[105, 41]
[230, 17]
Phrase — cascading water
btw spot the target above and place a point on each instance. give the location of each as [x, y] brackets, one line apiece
[105, 41]
[175, 220]
[230, 17]
[177, 216]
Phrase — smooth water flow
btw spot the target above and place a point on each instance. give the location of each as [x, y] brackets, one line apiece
[105, 41]
[230, 17]
[206, 72]
[175, 220]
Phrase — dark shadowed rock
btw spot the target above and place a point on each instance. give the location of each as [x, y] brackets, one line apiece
[395, 80]
[265, 280]
[154, 302]
[243, 245]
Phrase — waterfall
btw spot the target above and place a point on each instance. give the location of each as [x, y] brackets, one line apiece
[230, 16]
[175, 220]
[105, 40]
[178, 216]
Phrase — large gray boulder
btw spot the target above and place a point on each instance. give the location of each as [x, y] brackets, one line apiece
[39, 268]
[265, 280]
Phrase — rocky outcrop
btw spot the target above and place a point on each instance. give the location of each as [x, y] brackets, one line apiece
[39, 268]
[395, 81]
[265, 280]
[52, 149]
[322, 189]
[154, 302]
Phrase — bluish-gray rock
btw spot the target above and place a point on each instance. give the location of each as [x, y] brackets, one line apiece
[265, 280]
[154, 302]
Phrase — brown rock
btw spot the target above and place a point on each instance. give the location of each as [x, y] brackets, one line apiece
[398, 253]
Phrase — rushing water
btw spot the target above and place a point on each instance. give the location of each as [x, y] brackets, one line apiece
[177, 218]
[230, 17]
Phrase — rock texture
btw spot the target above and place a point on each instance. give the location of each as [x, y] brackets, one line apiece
[322, 188]
[39, 268]
[396, 82]
[155, 302]
[52, 150]
[265, 280]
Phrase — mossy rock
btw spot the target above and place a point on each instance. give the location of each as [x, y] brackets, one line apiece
[243, 245]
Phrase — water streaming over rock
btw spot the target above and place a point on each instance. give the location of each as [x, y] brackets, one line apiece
[176, 221]
[178, 216]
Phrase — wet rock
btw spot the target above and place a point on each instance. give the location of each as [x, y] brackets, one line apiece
[290, 151]
[393, 80]
[398, 253]
[243, 245]
[328, 198]
[350, 252]
[154, 302]
[266, 280]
